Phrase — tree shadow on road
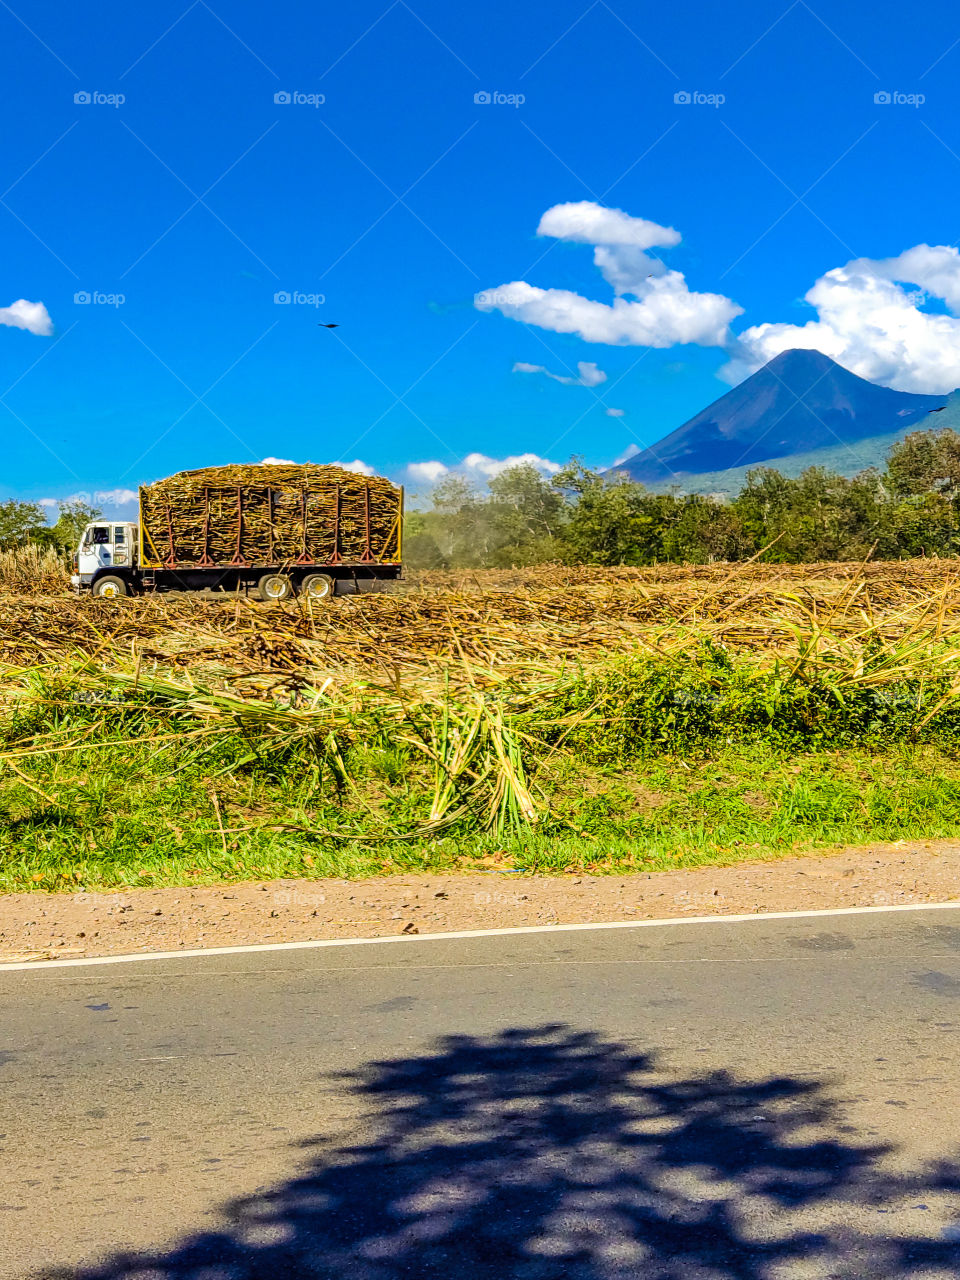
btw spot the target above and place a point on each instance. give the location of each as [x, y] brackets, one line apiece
[553, 1154]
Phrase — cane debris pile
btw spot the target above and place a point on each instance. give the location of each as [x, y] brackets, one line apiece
[438, 623]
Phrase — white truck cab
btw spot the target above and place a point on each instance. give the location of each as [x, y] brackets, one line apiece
[108, 552]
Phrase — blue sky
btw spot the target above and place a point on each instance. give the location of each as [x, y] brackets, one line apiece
[399, 198]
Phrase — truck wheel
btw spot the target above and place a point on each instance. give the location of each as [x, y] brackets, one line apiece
[109, 588]
[317, 586]
[275, 586]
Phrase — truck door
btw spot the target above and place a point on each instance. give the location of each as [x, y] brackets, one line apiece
[96, 550]
[121, 548]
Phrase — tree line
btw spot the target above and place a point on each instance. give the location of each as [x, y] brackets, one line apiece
[911, 507]
[25, 523]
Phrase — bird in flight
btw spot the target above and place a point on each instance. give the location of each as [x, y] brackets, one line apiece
[328, 326]
[940, 410]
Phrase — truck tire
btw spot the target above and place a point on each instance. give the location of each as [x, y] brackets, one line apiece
[110, 587]
[275, 586]
[317, 586]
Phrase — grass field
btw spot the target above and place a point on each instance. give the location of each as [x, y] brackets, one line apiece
[552, 719]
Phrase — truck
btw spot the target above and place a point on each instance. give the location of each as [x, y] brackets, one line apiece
[273, 530]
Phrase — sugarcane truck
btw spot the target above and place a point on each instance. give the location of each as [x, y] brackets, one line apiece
[126, 558]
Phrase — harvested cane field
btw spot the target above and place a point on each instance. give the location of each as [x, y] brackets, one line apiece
[438, 623]
[551, 719]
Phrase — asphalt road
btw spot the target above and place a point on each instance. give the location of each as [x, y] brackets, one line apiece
[766, 1100]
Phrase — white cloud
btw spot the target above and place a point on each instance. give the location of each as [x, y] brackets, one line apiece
[32, 316]
[626, 270]
[115, 497]
[588, 374]
[489, 467]
[870, 323]
[100, 498]
[871, 316]
[935, 268]
[362, 468]
[613, 413]
[666, 312]
[431, 472]
[584, 222]
[477, 465]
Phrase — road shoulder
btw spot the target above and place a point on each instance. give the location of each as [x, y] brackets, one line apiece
[40, 926]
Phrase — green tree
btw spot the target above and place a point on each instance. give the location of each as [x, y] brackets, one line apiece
[73, 518]
[17, 521]
[704, 530]
[925, 525]
[926, 462]
[614, 520]
[461, 523]
[587, 517]
[526, 514]
[923, 473]
[817, 515]
[761, 505]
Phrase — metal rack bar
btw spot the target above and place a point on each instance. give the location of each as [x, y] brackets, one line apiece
[205, 560]
[368, 557]
[304, 556]
[171, 560]
[336, 558]
[237, 556]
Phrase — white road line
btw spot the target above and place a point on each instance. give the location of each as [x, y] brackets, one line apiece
[413, 938]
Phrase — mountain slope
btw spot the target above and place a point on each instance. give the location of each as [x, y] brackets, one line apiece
[800, 403]
[844, 459]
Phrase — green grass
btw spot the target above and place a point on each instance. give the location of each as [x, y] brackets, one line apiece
[120, 777]
[642, 766]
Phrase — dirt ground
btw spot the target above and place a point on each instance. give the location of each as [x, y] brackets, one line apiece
[38, 926]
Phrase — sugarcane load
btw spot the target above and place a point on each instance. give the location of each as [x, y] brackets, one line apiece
[270, 529]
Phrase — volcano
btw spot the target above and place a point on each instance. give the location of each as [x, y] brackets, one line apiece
[800, 402]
